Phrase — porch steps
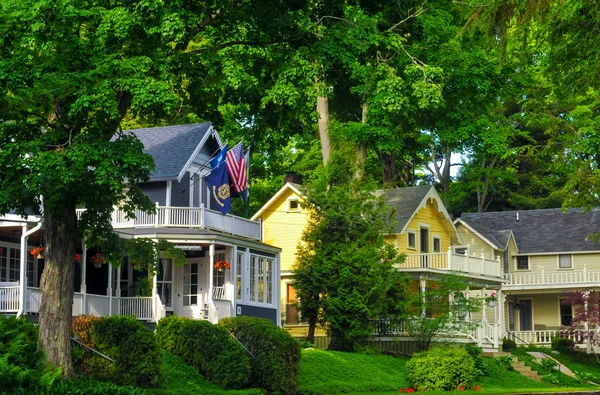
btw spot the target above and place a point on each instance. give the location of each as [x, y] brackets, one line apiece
[517, 365]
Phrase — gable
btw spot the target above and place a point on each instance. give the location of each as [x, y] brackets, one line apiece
[286, 191]
[429, 215]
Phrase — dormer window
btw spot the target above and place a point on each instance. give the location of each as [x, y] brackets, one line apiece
[293, 205]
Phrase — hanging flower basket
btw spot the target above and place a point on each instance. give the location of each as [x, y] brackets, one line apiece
[97, 260]
[77, 257]
[37, 252]
[491, 300]
[222, 265]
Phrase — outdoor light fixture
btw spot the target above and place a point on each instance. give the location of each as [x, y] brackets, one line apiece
[517, 306]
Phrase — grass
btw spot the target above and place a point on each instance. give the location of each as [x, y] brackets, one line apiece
[182, 379]
[580, 362]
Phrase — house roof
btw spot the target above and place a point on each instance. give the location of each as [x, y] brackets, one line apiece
[408, 200]
[296, 188]
[172, 147]
[539, 231]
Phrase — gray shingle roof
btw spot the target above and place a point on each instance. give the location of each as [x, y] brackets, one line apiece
[539, 231]
[405, 201]
[171, 146]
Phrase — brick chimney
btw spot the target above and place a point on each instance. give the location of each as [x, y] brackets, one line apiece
[293, 177]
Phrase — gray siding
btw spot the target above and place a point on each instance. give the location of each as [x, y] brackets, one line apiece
[180, 192]
[156, 191]
[260, 312]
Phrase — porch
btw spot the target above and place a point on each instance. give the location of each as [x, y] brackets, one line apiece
[187, 217]
[552, 279]
[544, 337]
[453, 261]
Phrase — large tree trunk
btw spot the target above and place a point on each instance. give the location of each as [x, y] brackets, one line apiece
[323, 111]
[388, 168]
[57, 286]
[361, 158]
[442, 173]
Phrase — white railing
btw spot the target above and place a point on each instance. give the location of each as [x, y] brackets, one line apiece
[140, 307]
[186, 217]
[97, 305]
[219, 293]
[9, 299]
[540, 337]
[454, 262]
[490, 333]
[567, 277]
[77, 303]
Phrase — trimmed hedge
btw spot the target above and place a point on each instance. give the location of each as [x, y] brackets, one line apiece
[563, 344]
[441, 370]
[133, 347]
[276, 353]
[208, 348]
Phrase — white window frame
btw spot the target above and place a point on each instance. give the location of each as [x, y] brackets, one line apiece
[408, 233]
[560, 305]
[289, 205]
[570, 262]
[239, 278]
[219, 276]
[161, 283]
[261, 282]
[433, 239]
[187, 284]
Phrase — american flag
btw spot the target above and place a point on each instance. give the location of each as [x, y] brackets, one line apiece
[236, 166]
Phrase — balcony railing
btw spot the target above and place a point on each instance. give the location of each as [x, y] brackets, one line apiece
[544, 278]
[187, 217]
[454, 262]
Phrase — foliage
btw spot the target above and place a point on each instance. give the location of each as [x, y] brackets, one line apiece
[87, 386]
[182, 379]
[584, 377]
[441, 308]
[136, 354]
[476, 353]
[441, 369]
[345, 272]
[563, 344]
[275, 355]
[142, 286]
[304, 344]
[83, 328]
[508, 344]
[548, 364]
[505, 361]
[23, 365]
[208, 348]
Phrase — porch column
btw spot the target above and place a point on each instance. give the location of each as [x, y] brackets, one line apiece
[484, 304]
[211, 263]
[233, 279]
[118, 294]
[500, 312]
[83, 277]
[23, 273]
[154, 294]
[109, 289]
[449, 257]
[423, 286]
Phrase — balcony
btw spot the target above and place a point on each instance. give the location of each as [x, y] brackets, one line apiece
[187, 217]
[451, 261]
[552, 279]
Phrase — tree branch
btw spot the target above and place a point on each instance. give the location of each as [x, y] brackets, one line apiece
[413, 15]
[240, 42]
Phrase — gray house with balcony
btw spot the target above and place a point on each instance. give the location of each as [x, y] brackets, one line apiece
[199, 289]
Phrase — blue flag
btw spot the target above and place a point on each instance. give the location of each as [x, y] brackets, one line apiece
[218, 184]
[220, 158]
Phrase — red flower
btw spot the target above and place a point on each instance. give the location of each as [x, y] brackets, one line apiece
[477, 388]
[77, 257]
[222, 264]
[410, 390]
[461, 388]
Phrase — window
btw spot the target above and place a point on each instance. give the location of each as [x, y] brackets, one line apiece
[261, 279]
[564, 261]
[3, 263]
[412, 239]
[238, 275]
[219, 275]
[164, 281]
[190, 284]
[293, 205]
[437, 244]
[31, 272]
[523, 262]
[566, 313]
[253, 271]
[14, 264]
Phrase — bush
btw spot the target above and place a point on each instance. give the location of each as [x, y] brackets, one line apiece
[132, 346]
[86, 386]
[562, 344]
[208, 348]
[23, 367]
[508, 345]
[441, 369]
[276, 355]
[475, 353]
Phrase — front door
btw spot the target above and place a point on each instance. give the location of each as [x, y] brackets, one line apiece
[525, 315]
[424, 246]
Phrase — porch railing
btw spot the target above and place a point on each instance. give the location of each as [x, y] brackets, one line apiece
[186, 217]
[140, 307]
[454, 262]
[219, 293]
[554, 277]
[9, 299]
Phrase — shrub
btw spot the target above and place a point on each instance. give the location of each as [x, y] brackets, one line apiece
[86, 386]
[505, 361]
[82, 327]
[276, 355]
[208, 348]
[548, 364]
[563, 344]
[441, 369]
[475, 353]
[23, 367]
[132, 346]
[508, 345]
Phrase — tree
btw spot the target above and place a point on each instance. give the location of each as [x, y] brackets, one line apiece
[72, 73]
[346, 272]
[585, 323]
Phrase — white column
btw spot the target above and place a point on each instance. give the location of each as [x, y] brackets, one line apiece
[484, 305]
[83, 277]
[423, 286]
[109, 290]
[154, 294]
[233, 279]
[449, 257]
[277, 286]
[23, 273]
[211, 263]
[501, 323]
[118, 294]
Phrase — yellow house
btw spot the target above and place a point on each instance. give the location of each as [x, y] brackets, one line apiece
[545, 254]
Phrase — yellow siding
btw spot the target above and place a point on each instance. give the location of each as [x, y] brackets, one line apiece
[591, 261]
[283, 229]
[549, 262]
[430, 217]
[476, 245]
